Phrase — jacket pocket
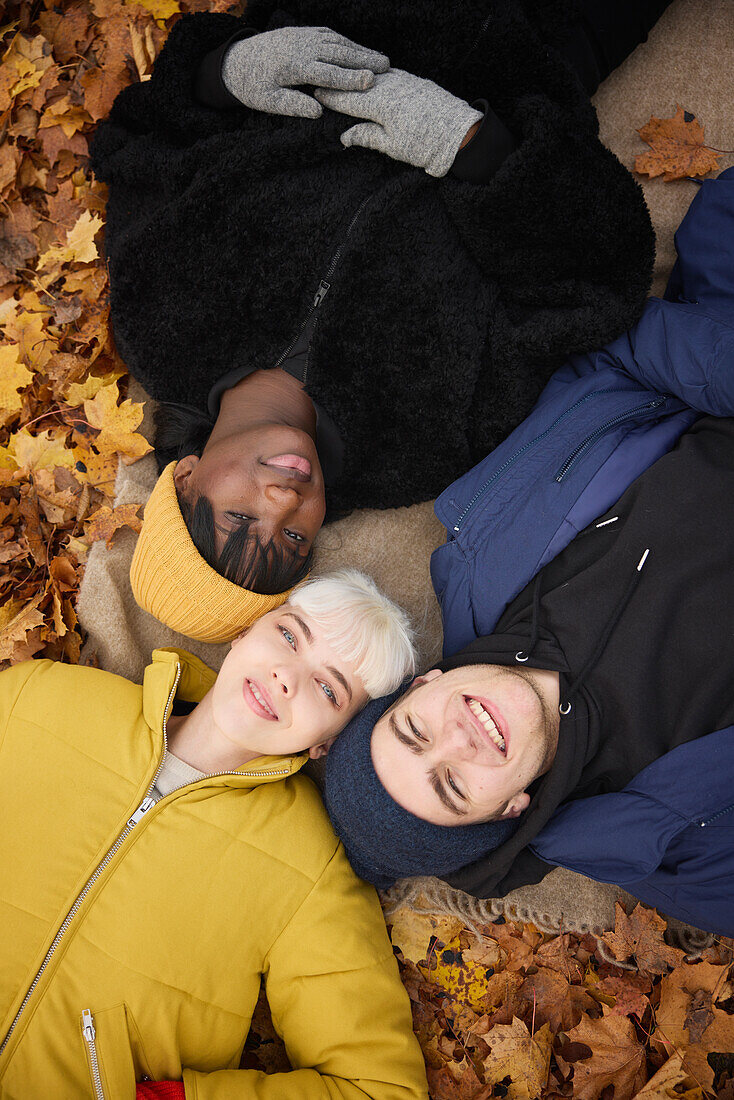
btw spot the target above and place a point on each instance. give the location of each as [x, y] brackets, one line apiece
[106, 1035]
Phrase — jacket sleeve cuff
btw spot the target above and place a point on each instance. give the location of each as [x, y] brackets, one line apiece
[480, 158]
[209, 88]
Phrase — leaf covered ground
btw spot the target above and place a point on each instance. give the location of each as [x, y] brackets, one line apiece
[500, 1010]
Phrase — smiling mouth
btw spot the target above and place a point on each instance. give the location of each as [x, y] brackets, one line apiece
[258, 701]
[487, 722]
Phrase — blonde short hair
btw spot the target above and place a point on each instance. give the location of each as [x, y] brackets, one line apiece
[362, 625]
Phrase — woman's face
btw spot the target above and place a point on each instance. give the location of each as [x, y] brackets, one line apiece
[282, 688]
[267, 474]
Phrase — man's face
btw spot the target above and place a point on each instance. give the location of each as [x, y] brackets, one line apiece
[282, 688]
[461, 747]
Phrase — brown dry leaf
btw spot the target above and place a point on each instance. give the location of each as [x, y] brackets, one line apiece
[626, 995]
[555, 1001]
[640, 936]
[117, 424]
[618, 1058]
[101, 85]
[680, 994]
[523, 1058]
[412, 932]
[677, 148]
[106, 521]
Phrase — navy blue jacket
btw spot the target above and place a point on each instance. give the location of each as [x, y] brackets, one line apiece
[601, 421]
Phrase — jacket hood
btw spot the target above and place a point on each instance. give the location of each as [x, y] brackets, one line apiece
[177, 674]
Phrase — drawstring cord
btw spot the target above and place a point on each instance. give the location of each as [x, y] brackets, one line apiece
[523, 655]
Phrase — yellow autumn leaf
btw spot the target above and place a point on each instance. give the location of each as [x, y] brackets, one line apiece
[13, 377]
[117, 424]
[79, 247]
[35, 343]
[79, 392]
[42, 451]
[62, 113]
[160, 9]
[519, 1056]
[412, 932]
[459, 974]
[99, 470]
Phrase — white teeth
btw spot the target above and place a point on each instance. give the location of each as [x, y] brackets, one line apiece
[260, 699]
[486, 719]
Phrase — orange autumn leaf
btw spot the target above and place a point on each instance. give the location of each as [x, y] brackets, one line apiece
[106, 521]
[79, 246]
[677, 148]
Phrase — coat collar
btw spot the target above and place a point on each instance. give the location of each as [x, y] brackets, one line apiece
[195, 680]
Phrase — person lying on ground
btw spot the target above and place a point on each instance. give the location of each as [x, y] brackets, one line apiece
[160, 854]
[583, 714]
[341, 314]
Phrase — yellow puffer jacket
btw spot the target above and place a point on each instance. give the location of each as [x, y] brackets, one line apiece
[134, 937]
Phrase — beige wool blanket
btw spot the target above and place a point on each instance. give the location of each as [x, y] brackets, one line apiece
[688, 60]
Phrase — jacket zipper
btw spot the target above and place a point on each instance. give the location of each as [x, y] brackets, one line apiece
[132, 821]
[528, 446]
[721, 813]
[591, 439]
[323, 288]
[90, 1038]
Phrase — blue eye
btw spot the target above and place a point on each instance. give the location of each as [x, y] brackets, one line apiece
[329, 693]
[289, 637]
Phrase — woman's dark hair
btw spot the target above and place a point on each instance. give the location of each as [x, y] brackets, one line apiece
[266, 568]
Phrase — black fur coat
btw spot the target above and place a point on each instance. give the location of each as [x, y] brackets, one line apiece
[450, 303]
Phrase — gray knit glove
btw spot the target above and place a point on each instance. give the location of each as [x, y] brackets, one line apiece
[410, 119]
[261, 71]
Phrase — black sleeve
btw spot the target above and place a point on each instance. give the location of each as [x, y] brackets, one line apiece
[209, 88]
[607, 32]
[480, 158]
[603, 35]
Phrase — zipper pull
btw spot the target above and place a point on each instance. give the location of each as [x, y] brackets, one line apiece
[142, 809]
[88, 1026]
[321, 293]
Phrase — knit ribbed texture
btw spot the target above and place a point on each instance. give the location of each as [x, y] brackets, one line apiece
[171, 580]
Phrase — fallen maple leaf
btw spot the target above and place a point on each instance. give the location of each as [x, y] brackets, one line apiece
[617, 1058]
[523, 1058]
[554, 1000]
[106, 521]
[412, 932]
[14, 376]
[18, 623]
[640, 936]
[117, 424]
[677, 148]
[79, 246]
[682, 993]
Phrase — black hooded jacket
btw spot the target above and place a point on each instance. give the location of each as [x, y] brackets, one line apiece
[636, 615]
[449, 303]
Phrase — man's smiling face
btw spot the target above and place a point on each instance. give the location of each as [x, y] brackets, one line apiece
[462, 746]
